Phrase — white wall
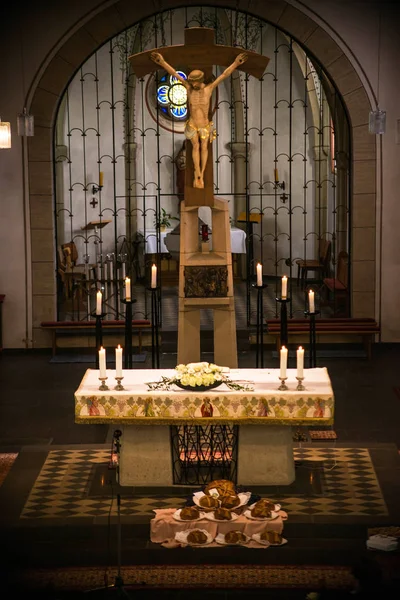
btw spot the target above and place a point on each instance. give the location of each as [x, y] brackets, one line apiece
[40, 28]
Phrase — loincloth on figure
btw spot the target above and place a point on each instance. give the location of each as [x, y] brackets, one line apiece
[208, 131]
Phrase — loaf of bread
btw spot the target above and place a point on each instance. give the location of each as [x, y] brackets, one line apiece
[267, 503]
[272, 537]
[229, 501]
[223, 487]
[261, 512]
[189, 513]
[235, 537]
[197, 537]
[222, 514]
[209, 502]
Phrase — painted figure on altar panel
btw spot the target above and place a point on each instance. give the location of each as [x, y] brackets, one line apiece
[199, 129]
[207, 408]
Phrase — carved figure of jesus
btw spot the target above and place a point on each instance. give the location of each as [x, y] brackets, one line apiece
[199, 129]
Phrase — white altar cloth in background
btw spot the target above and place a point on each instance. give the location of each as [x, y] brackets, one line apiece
[238, 241]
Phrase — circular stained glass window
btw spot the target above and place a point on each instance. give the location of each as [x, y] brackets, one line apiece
[172, 96]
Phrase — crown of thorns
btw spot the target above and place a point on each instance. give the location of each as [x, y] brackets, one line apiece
[196, 75]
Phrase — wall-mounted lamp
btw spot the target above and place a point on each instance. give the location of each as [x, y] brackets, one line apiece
[5, 134]
[280, 185]
[25, 124]
[96, 189]
[377, 121]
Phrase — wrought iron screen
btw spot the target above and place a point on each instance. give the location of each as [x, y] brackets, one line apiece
[202, 454]
[281, 159]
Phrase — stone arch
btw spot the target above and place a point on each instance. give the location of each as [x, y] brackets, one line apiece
[93, 32]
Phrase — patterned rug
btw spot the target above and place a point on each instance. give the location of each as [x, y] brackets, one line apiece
[347, 486]
[6, 462]
[187, 576]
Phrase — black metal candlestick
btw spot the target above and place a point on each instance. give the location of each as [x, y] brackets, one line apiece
[155, 350]
[284, 327]
[313, 342]
[99, 335]
[260, 325]
[128, 333]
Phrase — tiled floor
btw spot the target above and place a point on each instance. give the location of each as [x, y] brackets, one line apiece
[341, 481]
[53, 514]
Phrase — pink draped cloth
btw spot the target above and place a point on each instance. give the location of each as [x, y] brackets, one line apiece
[163, 527]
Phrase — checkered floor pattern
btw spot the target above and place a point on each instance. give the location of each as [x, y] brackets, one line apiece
[349, 487]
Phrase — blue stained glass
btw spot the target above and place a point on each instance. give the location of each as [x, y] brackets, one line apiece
[162, 94]
[179, 112]
[167, 106]
[174, 79]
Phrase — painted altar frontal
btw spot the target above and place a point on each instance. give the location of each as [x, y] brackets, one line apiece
[260, 404]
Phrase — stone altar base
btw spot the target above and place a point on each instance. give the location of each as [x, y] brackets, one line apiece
[265, 456]
[145, 456]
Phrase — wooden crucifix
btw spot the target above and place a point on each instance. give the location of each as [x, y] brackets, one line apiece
[205, 275]
[199, 53]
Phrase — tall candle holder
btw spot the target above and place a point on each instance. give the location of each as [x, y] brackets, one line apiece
[128, 333]
[103, 387]
[313, 343]
[284, 327]
[283, 387]
[119, 387]
[99, 334]
[260, 325]
[300, 387]
[155, 350]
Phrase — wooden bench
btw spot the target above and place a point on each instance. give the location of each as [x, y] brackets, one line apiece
[57, 328]
[366, 328]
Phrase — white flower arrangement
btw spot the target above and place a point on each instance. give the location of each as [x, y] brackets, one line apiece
[198, 374]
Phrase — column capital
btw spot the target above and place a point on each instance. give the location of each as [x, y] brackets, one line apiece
[238, 149]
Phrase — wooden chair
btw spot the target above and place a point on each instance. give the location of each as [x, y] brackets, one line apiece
[338, 286]
[319, 265]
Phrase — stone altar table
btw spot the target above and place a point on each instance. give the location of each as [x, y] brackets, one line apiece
[265, 416]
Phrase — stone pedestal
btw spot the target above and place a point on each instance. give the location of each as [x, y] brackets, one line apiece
[265, 455]
[145, 458]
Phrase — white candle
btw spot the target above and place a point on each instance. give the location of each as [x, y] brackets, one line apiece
[111, 272]
[284, 354]
[284, 287]
[300, 362]
[123, 271]
[118, 361]
[99, 298]
[102, 362]
[311, 305]
[127, 289]
[153, 276]
[259, 274]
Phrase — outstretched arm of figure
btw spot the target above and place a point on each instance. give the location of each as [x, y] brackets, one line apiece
[239, 60]
[159, 60]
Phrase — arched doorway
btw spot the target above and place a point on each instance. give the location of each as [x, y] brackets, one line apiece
[315, 39]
